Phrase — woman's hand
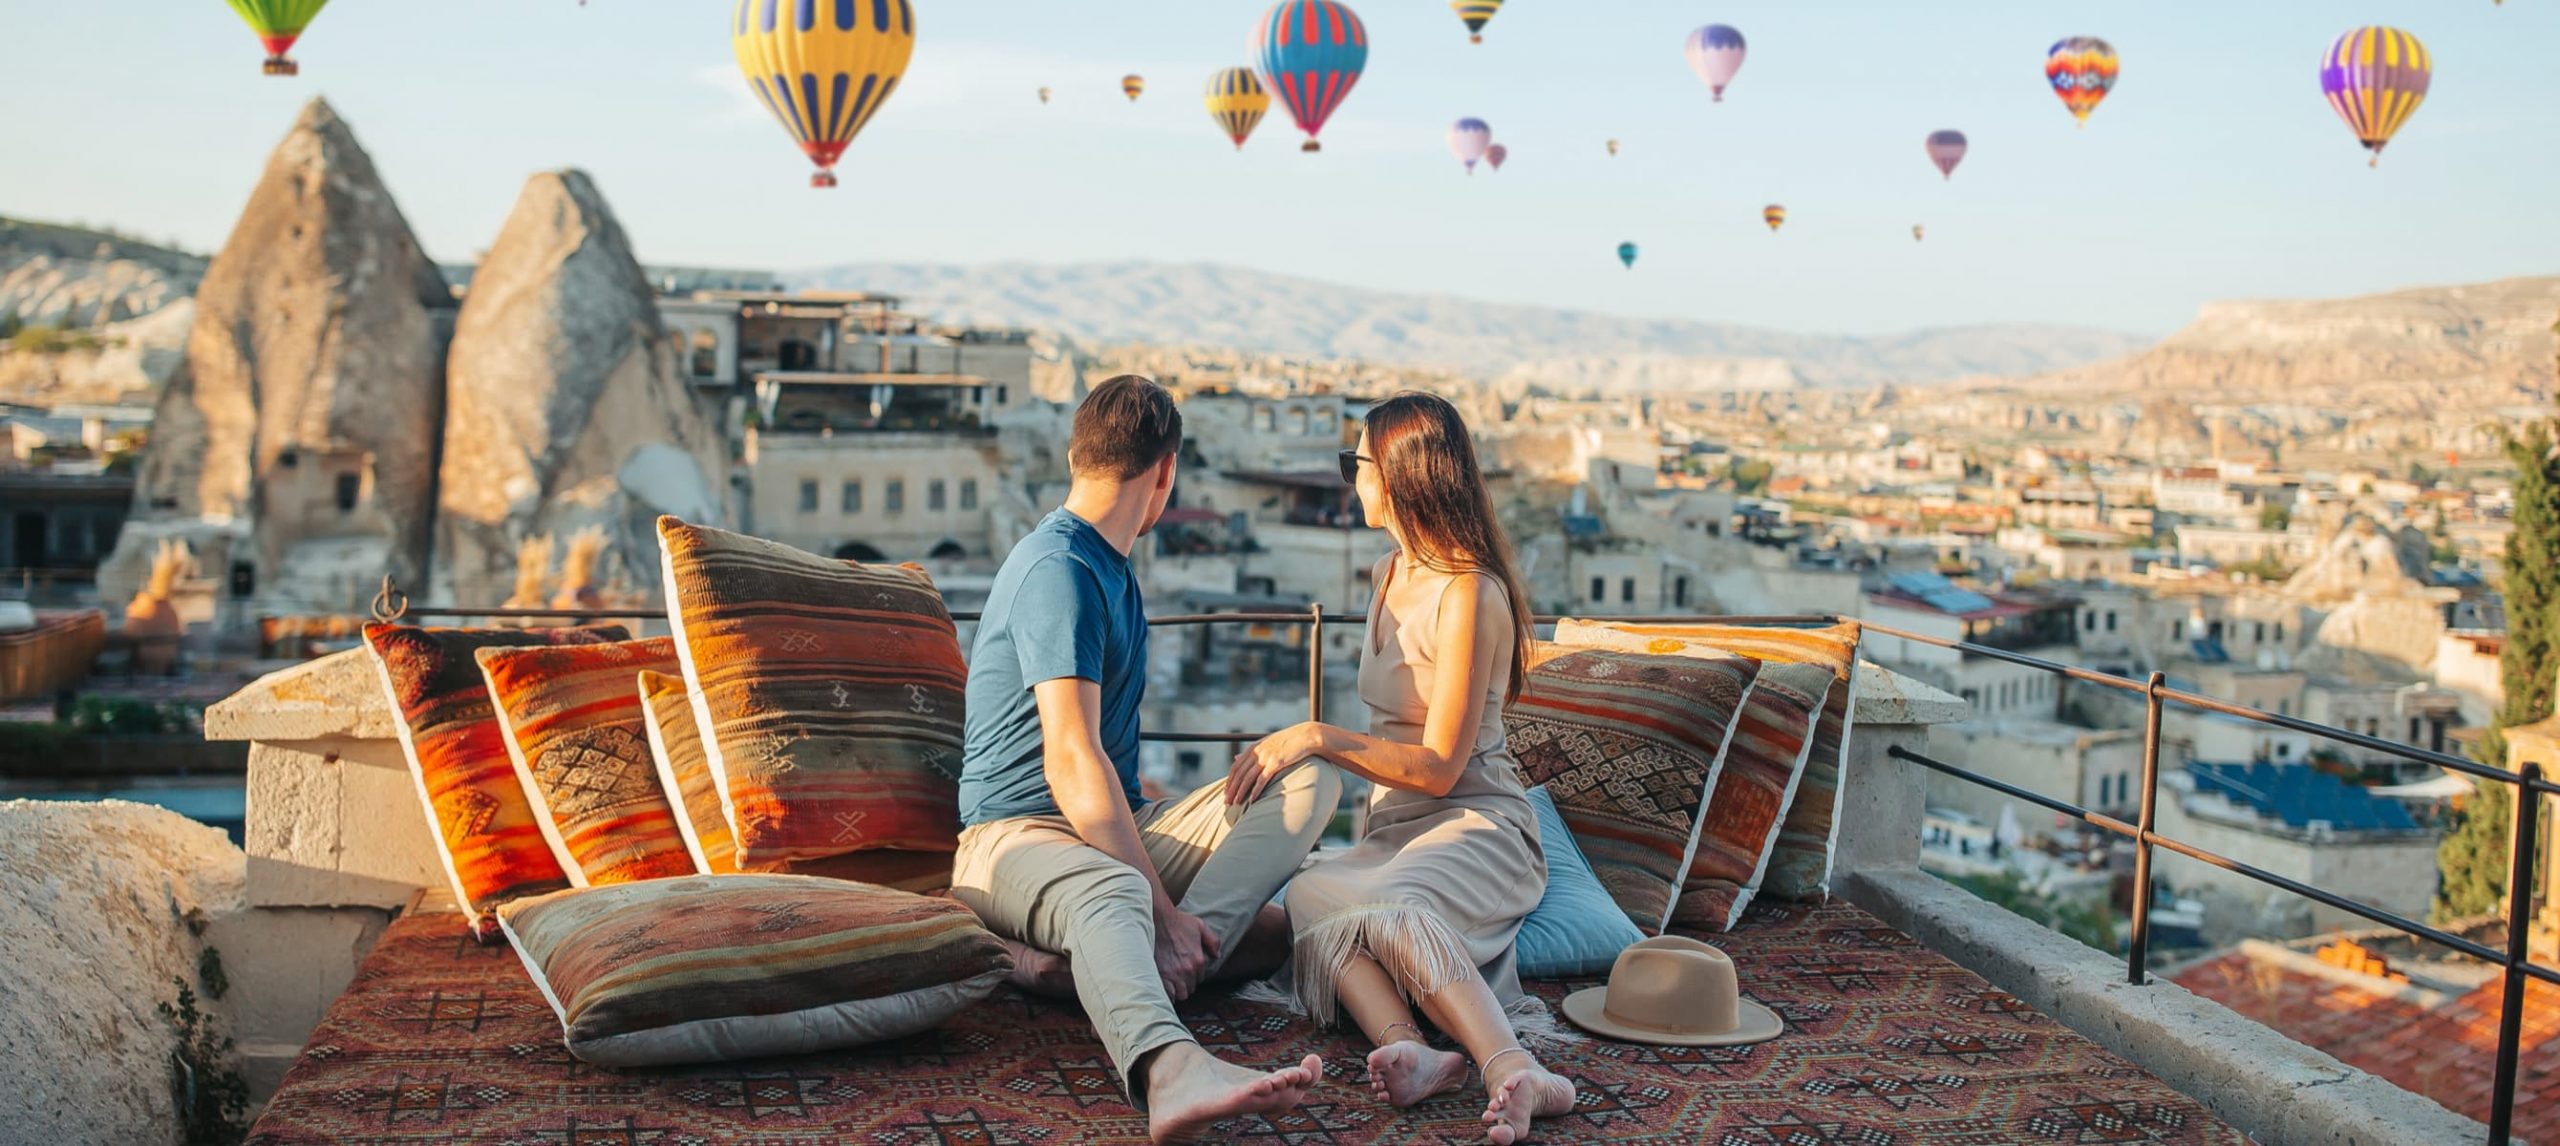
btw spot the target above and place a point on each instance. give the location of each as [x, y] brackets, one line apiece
[1270, 756]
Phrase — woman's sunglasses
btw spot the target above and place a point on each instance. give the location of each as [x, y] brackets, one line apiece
[1351, 460]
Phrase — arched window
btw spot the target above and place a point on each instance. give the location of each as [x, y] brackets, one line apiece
[859, 551]
[948, 551]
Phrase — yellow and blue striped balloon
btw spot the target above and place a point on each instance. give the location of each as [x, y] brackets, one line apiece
[278, 24]
[1475, 13]
[823, 67]
[1237, 100]
[1775, 216]
[2375, 78]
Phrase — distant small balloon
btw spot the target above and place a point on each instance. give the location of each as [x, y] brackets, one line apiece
[1774, 215]
[1475, 13]
[1494, 155]
[1132, 85]
[1715, 53]
[1044, 95]
[1627, 254]
[1918, 232]
[1468, 140]
[1613, 147]
[2375, 78]
[1946, 149]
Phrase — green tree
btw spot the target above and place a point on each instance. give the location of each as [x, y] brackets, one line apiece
[2473, 856]
[1750, 476]
[2274, 517]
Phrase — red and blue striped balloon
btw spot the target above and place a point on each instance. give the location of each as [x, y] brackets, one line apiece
[1310, 52]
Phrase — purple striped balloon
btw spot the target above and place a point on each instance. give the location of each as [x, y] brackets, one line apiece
[1468, 140]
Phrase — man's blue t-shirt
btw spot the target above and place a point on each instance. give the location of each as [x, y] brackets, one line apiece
[1065, 604]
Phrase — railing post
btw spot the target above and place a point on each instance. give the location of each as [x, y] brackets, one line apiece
[1315, 664]
[2137, 957]
[2520, 872]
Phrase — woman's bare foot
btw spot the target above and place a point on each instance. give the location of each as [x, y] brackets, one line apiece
[1404, 1073]
[1189, 1091]
[1519, 1094]
[1040, 972]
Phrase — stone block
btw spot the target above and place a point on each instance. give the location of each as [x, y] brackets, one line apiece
[286, 965]
[336, 823]
[339, 695]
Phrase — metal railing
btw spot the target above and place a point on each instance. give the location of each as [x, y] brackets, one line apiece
[2513, 960]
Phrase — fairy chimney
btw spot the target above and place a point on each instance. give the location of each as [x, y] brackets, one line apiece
[567, 407]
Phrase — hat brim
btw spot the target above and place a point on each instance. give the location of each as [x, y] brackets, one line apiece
[1753, 1023]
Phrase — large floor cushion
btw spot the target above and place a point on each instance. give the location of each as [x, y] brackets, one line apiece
[686, 773]
[1576, 930]
[717, 968]
[486, 831]
[828, 695]
[1628, 745]
[578, 733]
[1800, 866]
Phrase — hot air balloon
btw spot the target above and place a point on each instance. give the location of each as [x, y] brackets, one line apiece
[1946, 149]
[1613, 147]
[2082, 70]
[823, 70]
[1044, 95]
[1468, 139]
[278, 24]
[1715, 53]
[1494, 155]
[1918, 232]
[1133, 84]
[1310, 53]
[1627, 254]
[1775, 216]
[1475, 13]
[2374, 78]
[1237, 100]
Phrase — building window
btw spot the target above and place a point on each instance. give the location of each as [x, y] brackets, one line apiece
[2089, 622]
[2279, 630]
[2413, 730]
[1004, 395]
[1599, 589]
[934, 495]
[2213, 632]
[1680, 592]
[896, 499]
[1187, 765]
[968, 493]
[977, 395]
[349, 486]
[2111, 620]
[808, 497]
[852, 497]
[2177, 630]
[706, 354]
[2259, 633]
[1627, 590]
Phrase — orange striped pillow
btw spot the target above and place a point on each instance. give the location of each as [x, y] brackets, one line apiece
[686, 773]
[828, 694]
[486, 831]
[577, 734]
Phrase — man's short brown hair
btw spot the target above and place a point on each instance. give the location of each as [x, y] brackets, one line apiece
[1124, 428]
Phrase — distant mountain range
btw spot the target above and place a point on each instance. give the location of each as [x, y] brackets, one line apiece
[1209, 305]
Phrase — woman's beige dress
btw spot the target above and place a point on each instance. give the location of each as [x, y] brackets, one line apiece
[1438, 885]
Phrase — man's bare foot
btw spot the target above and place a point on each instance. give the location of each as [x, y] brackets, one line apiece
[1189, 1091]
[1040, 972]
[1404, 1073]
[1520, 1091]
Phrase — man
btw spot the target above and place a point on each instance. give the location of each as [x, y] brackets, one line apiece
[1140, 901]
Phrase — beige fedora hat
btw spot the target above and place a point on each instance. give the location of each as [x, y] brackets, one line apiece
[1673, 991]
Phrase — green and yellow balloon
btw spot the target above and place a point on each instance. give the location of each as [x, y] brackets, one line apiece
[278, 24]
[1475, 13]
[823, 67]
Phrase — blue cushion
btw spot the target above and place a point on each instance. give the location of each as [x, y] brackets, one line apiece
[1577, 930]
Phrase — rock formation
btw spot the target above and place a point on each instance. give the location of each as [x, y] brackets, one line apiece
[76, 278]
[567, 407]
[299, 436]
[99, 905]
[2372, 583]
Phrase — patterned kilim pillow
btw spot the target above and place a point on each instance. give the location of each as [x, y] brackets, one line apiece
[1800, 866]
[686, 772]
[486, 831]
[717, 968]
[1629, 745]
[579, 738]
[828, 694]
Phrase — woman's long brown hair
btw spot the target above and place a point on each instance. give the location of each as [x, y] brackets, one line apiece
[1435, 489]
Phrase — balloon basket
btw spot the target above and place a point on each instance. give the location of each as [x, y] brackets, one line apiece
[1475, 39]
[1310, 145]
[822, 179]
[280, 66]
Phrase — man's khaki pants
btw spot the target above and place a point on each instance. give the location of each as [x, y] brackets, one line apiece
[1032, 879]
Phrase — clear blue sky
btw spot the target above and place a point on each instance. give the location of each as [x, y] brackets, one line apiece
[2214, 171]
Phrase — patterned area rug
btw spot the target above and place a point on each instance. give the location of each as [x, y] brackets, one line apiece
[442, 1040]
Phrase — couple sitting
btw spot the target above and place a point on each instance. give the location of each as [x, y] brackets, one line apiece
[1132, 904]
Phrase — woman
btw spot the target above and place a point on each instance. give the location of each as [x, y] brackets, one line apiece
[1424, 908]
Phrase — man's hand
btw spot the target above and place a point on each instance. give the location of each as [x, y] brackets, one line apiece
[1184, 949]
